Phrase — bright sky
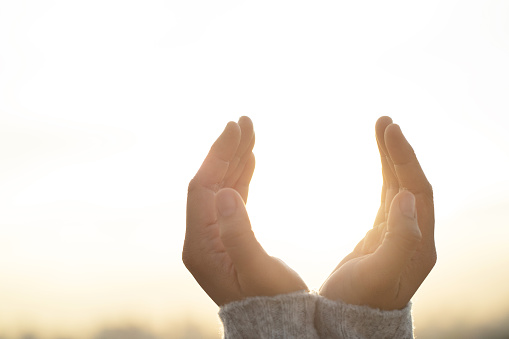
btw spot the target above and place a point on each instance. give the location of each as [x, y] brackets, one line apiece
[107, 109]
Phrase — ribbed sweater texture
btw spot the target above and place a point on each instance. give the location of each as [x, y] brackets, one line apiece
[310, 316]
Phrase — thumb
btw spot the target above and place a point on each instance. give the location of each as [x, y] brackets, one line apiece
[402, 238]
[235, 231]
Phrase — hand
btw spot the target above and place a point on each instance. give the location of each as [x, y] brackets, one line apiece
[220, 249]
[387, 267]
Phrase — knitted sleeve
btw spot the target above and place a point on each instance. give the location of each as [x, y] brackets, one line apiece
[335, 319]
[309, 316]
[283, 316]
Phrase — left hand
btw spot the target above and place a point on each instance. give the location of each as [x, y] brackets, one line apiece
[220, 249]
[387, 267]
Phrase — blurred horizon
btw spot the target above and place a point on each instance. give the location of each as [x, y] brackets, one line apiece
[494, 329]
[107, 109]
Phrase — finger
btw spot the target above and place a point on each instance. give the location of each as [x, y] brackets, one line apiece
[215, 166]
[233, 177]
[374, 238]
[411, 176]
[242, 185]
[236, 233]
[390, 186]
[388, 172]
[387, 165]
[380, 215]
[390, 181]
[245, 147]
[408, 170]
[208, 180]
[401, 240]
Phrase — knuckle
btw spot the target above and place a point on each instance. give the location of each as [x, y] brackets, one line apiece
[192, 186]
[428, 261]
[433, 259]
[188, 259]
[429, 191]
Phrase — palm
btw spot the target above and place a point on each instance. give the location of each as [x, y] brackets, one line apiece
[363, 277]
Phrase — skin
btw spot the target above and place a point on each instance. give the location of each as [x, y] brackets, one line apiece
[387, 267]
[384, 270]
[221, 251]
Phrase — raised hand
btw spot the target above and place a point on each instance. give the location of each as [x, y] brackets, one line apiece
[387, 267]
[220, 249]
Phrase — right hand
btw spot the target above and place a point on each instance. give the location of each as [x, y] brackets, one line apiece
[387, 267]
[220, 249]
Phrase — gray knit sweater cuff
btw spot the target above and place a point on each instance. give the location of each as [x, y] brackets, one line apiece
[335, 319]
[283, 316]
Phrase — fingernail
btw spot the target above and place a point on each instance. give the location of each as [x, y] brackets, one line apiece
[226, 204]
[407, 205]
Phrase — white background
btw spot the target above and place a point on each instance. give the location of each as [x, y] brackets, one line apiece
[107, 109]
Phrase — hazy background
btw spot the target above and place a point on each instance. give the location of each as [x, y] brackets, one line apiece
[107, 109]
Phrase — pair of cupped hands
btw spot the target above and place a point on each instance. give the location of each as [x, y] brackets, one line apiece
[383, 271]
